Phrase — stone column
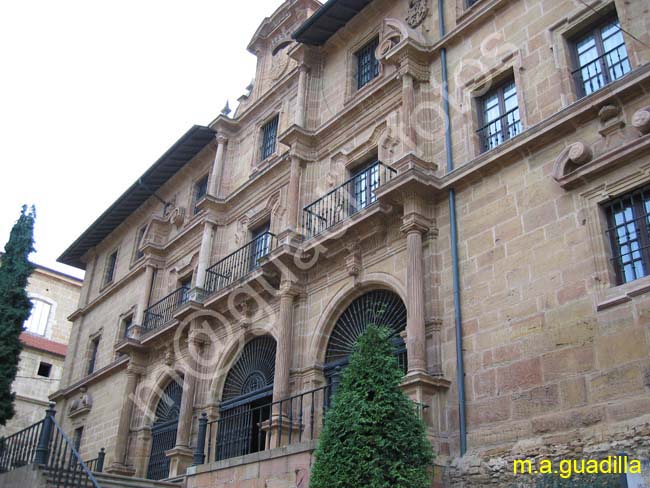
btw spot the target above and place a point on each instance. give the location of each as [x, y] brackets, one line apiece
[145, 297]
[301, 102]
[205, 254]
[285, 335]
[293, 194]
[120, 465]
[214, 182]
[408, 104]
[181, 455]
[415, 226]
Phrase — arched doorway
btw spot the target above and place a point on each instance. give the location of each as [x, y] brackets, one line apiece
[377, 307]
[246, 399]
[163, 431]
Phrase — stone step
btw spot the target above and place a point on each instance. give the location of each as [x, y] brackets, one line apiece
[115, 481]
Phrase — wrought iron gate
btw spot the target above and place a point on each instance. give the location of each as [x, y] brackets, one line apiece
[163, 432]
[379, 307]
[245, 401]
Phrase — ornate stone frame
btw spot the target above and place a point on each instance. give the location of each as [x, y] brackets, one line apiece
[351, 89]
[510, 66]
[560, 40]
[607, 293]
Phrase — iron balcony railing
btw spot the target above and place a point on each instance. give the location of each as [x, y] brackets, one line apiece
[162, 312]
[97, 465]
[18, 450]
[601, 71]
[247, 428]
[346, 200]
[239, 264]
[500, 130]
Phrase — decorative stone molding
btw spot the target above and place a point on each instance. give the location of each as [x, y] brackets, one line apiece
[353, 260]
[81, 405]
[405, 48]
[641, 120]
[418, 11]
[571, 158]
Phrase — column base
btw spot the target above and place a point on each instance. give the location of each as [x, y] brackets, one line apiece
[180, 458]
[120, 470]
[280, 430]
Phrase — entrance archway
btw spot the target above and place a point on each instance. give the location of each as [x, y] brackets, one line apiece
[377, 307]
[163, 431]
[246, 399]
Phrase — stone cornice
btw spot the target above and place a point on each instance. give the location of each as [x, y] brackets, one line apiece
[98, 375]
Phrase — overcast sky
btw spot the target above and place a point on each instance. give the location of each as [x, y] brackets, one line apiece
[92, 93]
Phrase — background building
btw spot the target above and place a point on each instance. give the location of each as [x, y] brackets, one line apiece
[508, 248]
[54, 297]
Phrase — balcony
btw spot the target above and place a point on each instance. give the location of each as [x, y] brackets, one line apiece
[356, 194]
[162, 312]
[239, 264]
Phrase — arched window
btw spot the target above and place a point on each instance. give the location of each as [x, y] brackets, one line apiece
[163, 432]
[378, 307]
[246, 400]
[39, 317]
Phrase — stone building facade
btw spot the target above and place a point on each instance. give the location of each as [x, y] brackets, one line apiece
[473, 174]
[54, 296]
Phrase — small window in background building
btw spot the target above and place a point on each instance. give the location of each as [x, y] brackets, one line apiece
[39, 317]
[269, 137]
[600, 57]
[109, 272]
[499, 116]
[367, 63]
[200, 191]
[44, 370]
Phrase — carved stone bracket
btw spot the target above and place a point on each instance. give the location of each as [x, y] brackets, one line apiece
[405, 48]
[641, 120]
[81, 405]
[570, 159]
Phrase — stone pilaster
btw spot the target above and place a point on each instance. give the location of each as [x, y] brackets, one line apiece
[288, 292]
[145, 296]
[120, 465]
[408, 107]
[293, 196]
[205, 253]
[214, 182]
[415, 226]
[301, 103]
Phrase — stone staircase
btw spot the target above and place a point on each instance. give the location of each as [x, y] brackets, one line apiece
[112, 481]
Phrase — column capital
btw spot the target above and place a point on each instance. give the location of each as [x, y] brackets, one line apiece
[221, 138]
[134, 369]
[414, 222]
[290, 288]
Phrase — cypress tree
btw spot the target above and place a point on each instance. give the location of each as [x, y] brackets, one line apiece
[15, 305]
[373, 436]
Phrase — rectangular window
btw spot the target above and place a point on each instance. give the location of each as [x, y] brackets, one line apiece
[138, 243]
[38, 318]
[600, 57]
[200, 191]
[628, 222]
[364, 184]
[499, 116]
[260, 245]
[94, 349]
[127, 323]
[44, 369]
[471, 3]
[367, 63]
[269, 137]
[76, 440]
[109, 271]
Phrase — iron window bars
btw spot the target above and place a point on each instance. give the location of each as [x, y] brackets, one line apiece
[499, 116]
[162, 312]
[367, 63]
[346, 200]
[269, 137]
[601, 57]
[628, 220]
[238, 264]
